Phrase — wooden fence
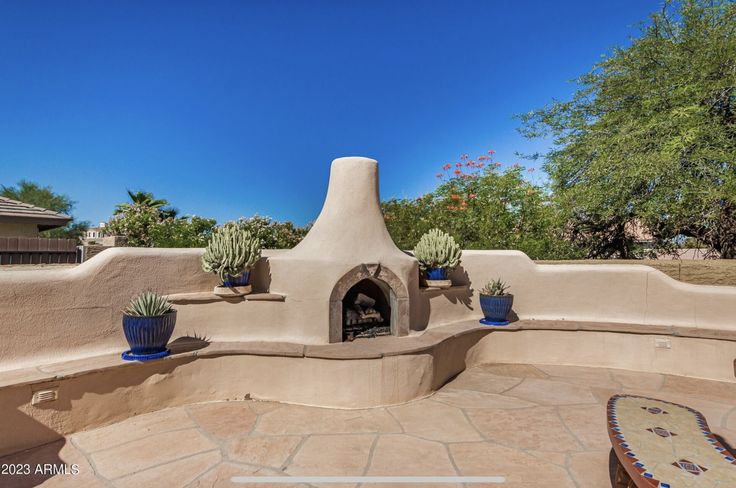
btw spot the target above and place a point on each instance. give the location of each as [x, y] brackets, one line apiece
[37, 250]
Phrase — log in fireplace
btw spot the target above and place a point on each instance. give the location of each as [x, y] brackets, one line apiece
[366, 310]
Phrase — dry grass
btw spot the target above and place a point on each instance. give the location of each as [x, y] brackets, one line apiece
[699, 272]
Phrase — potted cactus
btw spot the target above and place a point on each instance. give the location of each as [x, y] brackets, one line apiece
[231, 254]
[437, 253]
[495, 303]
[148, 322]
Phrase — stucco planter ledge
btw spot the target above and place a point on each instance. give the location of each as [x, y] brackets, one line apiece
[447, 289]
[208, 296]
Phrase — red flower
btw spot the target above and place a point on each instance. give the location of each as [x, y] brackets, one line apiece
[455, 197]
[464, 156]
[472, 196]
[439, 175]
[491, 152]
[452, 207]
[447, 166]
[458, 165]
[458, 172]
[496, 165]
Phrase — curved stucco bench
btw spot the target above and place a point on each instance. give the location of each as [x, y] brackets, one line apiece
[388, 370]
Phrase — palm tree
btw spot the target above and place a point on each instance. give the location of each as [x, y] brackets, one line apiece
[146, 199]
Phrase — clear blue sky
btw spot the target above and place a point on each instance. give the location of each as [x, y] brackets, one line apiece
[228, 109]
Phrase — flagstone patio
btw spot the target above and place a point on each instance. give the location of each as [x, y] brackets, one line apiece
[537, 425]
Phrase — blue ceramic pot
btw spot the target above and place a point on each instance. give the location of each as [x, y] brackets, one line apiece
[241, 280]
[148, 336]
[496, 309]
[436, 274]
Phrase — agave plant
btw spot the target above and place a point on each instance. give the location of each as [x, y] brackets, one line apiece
[495, 288]
[148, 304]
[231, 251]
[437, 249]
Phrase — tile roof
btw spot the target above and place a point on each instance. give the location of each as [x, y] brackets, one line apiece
[15, 211]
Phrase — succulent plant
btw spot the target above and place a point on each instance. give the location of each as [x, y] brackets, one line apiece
[495, 288]
[437, 249]
[230, 251]
[148, 304]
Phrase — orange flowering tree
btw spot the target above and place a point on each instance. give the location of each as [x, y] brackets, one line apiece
[483, 204]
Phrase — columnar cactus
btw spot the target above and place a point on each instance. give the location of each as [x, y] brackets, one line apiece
[231, 250]
[437, 249]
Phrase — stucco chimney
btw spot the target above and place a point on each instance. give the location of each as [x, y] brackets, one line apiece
[350, 227]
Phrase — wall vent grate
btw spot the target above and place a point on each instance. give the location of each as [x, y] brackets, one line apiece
[44, 396]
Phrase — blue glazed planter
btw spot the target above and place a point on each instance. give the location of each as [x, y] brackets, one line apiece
[148, 336]
[496, 309]
[436, 274]
[241, 280]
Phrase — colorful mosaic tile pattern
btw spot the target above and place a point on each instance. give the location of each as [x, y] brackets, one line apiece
[665, 445]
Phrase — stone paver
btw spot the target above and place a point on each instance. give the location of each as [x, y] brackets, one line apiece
[537, 425]
[223, 420]
[150, 451]
[404, 455]
[271, 451]
[320, 455]
[519, 468]
[176, 473]
[435, 421]
[538, 428]
[295, 419]
[551, 392]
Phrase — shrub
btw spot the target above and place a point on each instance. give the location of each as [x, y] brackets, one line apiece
[182, 232]
[437, 249]
[230, 251]
[272, 233]
[485, 205]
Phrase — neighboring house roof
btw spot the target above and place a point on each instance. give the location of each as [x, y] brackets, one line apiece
[24, 213]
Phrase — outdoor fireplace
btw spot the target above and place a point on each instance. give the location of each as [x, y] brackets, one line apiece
[348, 256]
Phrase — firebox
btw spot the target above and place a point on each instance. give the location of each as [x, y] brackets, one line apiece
[366, 310]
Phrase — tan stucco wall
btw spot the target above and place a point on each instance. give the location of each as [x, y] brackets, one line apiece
[9, 229]
[698, 358]
[613, 293]
[60, 314]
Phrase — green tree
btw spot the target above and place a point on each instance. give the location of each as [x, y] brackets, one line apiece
[146, 199]
[650, 136]
[44, 196]
[483, 207]
[182, 232]
[272, 233]
[135, 222]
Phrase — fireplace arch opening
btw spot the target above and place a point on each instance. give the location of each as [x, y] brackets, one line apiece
[379, 284]
[366, 310]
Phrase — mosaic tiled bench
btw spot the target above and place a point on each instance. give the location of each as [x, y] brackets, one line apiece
[665, 445]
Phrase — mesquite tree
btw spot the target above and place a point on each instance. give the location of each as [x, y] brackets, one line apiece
[650, 136]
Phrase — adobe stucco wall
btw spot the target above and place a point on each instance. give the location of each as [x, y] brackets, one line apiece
[61, 314]
[613, 293]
